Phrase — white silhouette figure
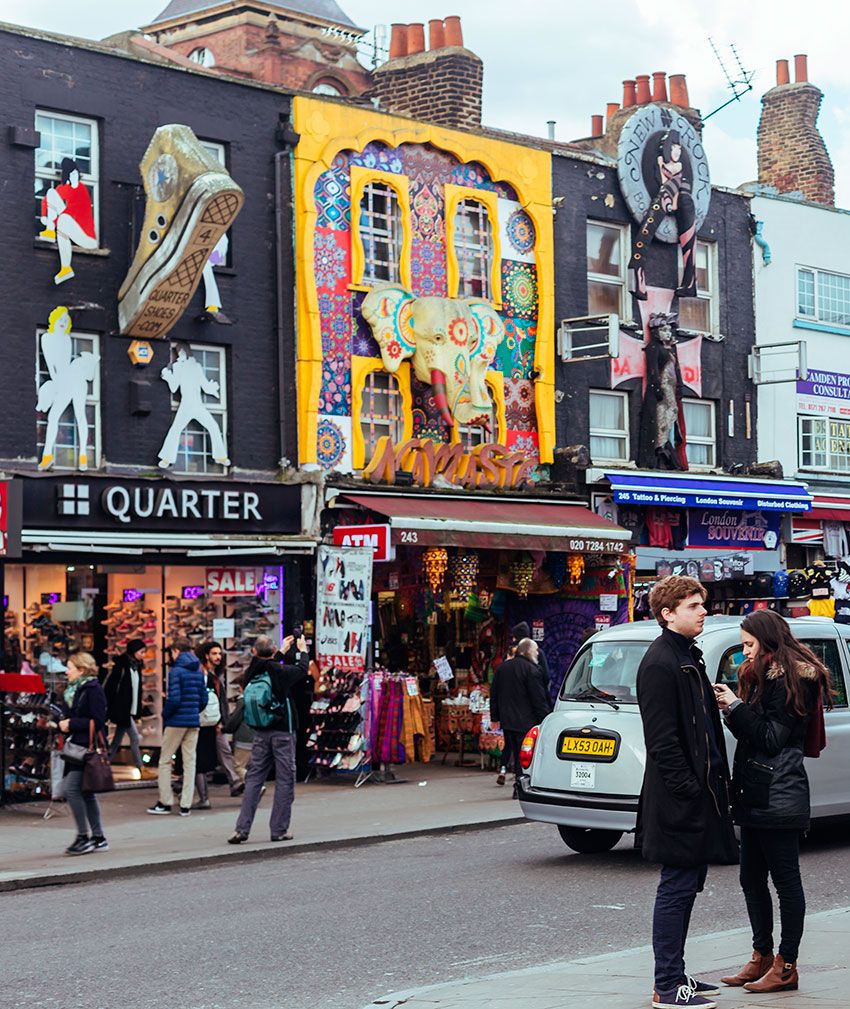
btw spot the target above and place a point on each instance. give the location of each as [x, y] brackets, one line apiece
[67, 385]
[187, 375]
[218, 256]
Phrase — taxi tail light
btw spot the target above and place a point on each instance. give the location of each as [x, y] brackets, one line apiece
[526, 751]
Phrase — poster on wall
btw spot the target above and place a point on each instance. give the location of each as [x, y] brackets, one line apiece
[343, 600]
[824, 393]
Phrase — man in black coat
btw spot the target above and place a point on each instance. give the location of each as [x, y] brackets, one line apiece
[521, 631]
[517, 702]
[684, 819]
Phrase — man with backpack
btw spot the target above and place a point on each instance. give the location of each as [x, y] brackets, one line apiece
[269, 709]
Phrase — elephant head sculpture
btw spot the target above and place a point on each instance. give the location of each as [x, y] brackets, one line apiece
[452, 342]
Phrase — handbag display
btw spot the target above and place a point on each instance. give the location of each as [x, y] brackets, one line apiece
[97, 769]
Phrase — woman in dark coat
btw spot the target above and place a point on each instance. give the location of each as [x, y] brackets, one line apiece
[780, 689]
[207, 752]
[84, 703]
[123, 688]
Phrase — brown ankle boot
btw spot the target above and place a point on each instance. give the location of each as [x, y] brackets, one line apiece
[759, 965]
[782, 976]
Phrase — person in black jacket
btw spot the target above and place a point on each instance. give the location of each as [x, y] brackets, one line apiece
[85, 707]
[274, 746]
[123, 688]
[684, 820]
[780, 689]
[517, 702]
[521, 631]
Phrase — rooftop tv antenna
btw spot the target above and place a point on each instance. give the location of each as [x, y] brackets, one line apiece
[740, 85]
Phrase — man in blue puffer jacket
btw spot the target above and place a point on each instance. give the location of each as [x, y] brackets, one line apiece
[187, 698]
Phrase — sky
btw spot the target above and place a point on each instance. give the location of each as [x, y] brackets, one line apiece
[564, 60]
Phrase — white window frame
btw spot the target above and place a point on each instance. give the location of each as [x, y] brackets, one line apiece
[370, 233]
[815, 316]
[708, 440]
[621, 435]
[373, 428]
[218, 150]
[217, 407]
[203, 56]
[708, 294]
[475, 256]
[92, 400]
[90, 180]
[620, 281]
[829, 457]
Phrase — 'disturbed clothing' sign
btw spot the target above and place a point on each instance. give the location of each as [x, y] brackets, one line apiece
[163, 505]
[733, 529]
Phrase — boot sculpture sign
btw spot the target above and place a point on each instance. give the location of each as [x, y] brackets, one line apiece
[191, 202]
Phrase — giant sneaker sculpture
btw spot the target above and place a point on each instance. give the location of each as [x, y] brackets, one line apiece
[191, 202]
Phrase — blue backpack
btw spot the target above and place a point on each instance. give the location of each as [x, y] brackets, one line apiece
[261, 709]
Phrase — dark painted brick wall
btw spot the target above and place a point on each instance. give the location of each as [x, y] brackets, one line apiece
[585, 187]
[130, 100]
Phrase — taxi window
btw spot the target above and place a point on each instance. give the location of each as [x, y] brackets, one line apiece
[729, 666]
[826, 650]
[607, 667]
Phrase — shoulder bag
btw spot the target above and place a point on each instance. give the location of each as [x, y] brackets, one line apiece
[97, 770]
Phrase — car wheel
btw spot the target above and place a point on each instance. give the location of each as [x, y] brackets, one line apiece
[589, 841]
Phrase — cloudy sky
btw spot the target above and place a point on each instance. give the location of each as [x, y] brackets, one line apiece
[550, 59]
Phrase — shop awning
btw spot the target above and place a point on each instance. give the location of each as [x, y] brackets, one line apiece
[501, 524]
[684, 490]
[192, 545]
[830, 508]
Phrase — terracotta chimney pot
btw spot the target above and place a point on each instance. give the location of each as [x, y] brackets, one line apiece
[643, 95]
[782, 76]
[597, 126]
[611, 108]
[436, 34]
[659, 86]
[801, 69]
[454, 33]
[398, 41]
[679, 91]
[629, 98]
[415, 38]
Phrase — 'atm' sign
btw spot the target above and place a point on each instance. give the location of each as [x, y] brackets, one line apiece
[376, 537]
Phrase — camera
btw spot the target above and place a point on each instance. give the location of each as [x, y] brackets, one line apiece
[298, 631]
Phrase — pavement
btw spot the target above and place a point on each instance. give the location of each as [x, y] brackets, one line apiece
[621, 980]
[425, 799]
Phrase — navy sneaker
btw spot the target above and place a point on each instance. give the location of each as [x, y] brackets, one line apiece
[683, 996]
[703, 987]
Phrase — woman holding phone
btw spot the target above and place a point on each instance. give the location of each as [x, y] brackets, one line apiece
[777, 719]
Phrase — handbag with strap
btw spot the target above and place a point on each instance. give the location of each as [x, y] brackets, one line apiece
[97, 770]
[211, 714]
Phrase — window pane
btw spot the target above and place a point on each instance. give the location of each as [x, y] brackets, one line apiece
[603, 250]
[381, 232]
[700, 455]
[473, 245]
[806, 292]
[695, 314]
[603, 299]
[703, 264]
[606, 412]
[607, 448]
[839, 445]
[834, 298]
[826, 650]
[698, 419]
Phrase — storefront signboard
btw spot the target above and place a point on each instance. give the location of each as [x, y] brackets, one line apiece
[233, 581]
[733, 529]
[343, 598]
[377, 537]
[489, 465]
[824, 393]
[602, 620]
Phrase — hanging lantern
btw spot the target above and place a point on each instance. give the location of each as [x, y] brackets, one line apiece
[575, 566]
[522, 574]
[464, 576]
[435, 562]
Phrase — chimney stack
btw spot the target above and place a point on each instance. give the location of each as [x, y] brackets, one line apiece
[792, 155]
[443, 84]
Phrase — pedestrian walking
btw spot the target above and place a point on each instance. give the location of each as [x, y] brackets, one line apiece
[518, 701]
[269, 709]
[777, 718]
[684, 821]
[213, 746]
[123, 688]
[84, 703]
[521, 631]
[186, 699]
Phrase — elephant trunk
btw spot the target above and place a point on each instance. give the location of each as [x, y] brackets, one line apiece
[438, 386]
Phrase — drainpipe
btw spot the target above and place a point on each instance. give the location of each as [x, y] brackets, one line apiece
[287, 367]
[766, 254]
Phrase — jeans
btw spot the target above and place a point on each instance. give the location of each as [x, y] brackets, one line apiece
[118, 738]
[510, 754]
[186, 740]
[674, 902]
[83, 805]
[270, 749]
[776, 853]
[225, 758]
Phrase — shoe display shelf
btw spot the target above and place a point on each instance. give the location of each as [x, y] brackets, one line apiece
[124, 622]
[336, 740]
[252, 616]
[28, 736]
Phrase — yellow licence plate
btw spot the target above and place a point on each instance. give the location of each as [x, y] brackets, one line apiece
[587, 746]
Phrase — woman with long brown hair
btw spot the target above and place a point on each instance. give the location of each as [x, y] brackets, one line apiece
[777, 718]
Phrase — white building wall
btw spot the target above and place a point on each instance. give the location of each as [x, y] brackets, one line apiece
[798, 234]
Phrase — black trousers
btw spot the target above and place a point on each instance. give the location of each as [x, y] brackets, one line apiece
[510, 754]
[775, 853]
[674, 902]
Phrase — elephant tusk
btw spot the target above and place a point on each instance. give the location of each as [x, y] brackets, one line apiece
[438, 385]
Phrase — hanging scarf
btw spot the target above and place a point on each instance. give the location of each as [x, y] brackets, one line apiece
[72, 688]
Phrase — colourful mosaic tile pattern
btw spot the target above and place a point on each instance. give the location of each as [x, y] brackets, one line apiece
[335, 394]
[365, 345]
[333, 439]
[378, 155]
[473, 175]
[424, 164]
[515, 354]
[429, 211]
[333, 196]
[336, 324]
[520, 232]
[519, 289]
[506, 191]
[428, 269]
[524, 441]
[519, 405]
[332, 260]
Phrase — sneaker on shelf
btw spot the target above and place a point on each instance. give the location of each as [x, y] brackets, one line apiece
[683, 996]
[191, 201]
[160, 809]
[185, 810]
[82, 846]
[99, 842]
